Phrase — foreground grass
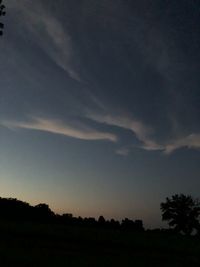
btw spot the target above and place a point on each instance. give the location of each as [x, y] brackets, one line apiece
[28, 244]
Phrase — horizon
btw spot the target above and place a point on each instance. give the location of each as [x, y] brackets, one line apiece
[88, 216]
[99, 105]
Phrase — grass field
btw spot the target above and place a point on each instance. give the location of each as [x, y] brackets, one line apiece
[29, 244]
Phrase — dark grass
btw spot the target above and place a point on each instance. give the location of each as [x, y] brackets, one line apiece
[33, 244]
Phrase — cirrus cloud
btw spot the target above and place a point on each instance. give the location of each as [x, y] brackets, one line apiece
[141, 131]
[48, 32]
[59, 127]
[191, 141]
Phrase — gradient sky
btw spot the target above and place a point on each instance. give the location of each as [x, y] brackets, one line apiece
[99, 105]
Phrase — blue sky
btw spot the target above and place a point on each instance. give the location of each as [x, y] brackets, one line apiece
[99, 105]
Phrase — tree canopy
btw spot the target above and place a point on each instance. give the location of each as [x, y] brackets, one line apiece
[182, 213]
[2, 13]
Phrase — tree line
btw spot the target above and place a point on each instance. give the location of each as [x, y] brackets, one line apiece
[180, 211]
[17, 210]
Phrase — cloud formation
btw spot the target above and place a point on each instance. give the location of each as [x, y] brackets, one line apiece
[144, 134]
[191, 141]
[58, 127]
[141, 131]
[84, 132]
[48, 32]
[123, 151]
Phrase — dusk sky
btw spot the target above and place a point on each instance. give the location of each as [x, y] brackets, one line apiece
[100, 105]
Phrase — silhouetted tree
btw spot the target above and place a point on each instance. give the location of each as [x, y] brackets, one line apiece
[67, 218]
[101, 220]
[136, 225]
[139, 226]
[114, 224]
[43, 212]
[181, 212]
[90, 221]
[127, 224]
[2, 13]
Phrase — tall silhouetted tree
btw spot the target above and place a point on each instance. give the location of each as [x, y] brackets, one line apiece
[2, 13]
[182, 213]
[101, 220]
[43, 211]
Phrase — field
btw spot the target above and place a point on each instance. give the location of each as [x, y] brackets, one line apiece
[33, 244]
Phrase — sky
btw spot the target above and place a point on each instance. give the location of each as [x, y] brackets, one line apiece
[99, 105]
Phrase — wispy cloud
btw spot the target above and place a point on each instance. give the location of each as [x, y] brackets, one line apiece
[84, 132]
[58, 127]
[48, 32]
[191, 141]
[141, 131]
[144, 134]
[123, 151]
